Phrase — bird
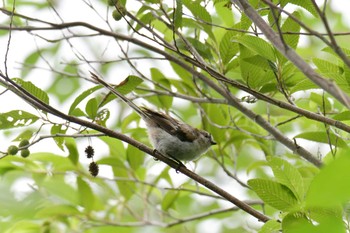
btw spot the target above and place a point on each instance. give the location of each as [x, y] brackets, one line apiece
[169, 136]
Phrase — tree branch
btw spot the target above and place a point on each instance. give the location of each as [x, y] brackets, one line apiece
[327, 85]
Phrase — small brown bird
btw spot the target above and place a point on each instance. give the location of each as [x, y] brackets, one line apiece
[169, 136]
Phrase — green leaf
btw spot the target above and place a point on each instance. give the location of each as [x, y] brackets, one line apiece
[290, 25]
[323, 137]
[91, 108]
[58, 129]
[57, 163]
[197, 10]
[299, 223]
[326, 66]
[273, 193]
[57, 210]
[323, 102]
[146, 19]
[86, 196]
[29, 62]
[73, 153]
[135, 157]
[228, 48]
[332, 71]
[343, 116]
[257, 45]
[271, 226]
[16, 118]
[129, 84]
[81, 97]
[178, 15]
[225, 13]
[126, 86]
[32, 89]
[330, 188]
[287, 175]
[65, 83]
[27, 134]
[204, 50]
[201, 14]
[102, 117]
[57, 187]
[169, 199]
[307, 5]
[255, 70]
[158, 77]
[24, 226]
[302, 84]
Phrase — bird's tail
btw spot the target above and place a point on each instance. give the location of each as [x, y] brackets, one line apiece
[118, 94]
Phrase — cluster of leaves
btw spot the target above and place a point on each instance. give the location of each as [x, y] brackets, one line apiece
[223, 44]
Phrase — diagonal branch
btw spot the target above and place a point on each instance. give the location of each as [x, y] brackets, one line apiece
[38, 104]
[327, 85]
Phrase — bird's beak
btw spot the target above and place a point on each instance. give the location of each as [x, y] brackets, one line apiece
[212, 142]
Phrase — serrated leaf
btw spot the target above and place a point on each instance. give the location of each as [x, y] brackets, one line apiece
[323, 137]
[325, 66]
[332, 71]
[255, 70]
[197, 10]
[290, 25]
[201, 14]
[16, 118]
[258, 45]
[303, 84]
[228, 48]
[287, 175]
[32, 89]
[273, 193]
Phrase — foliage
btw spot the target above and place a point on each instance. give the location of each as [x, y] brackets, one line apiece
[260, 76]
